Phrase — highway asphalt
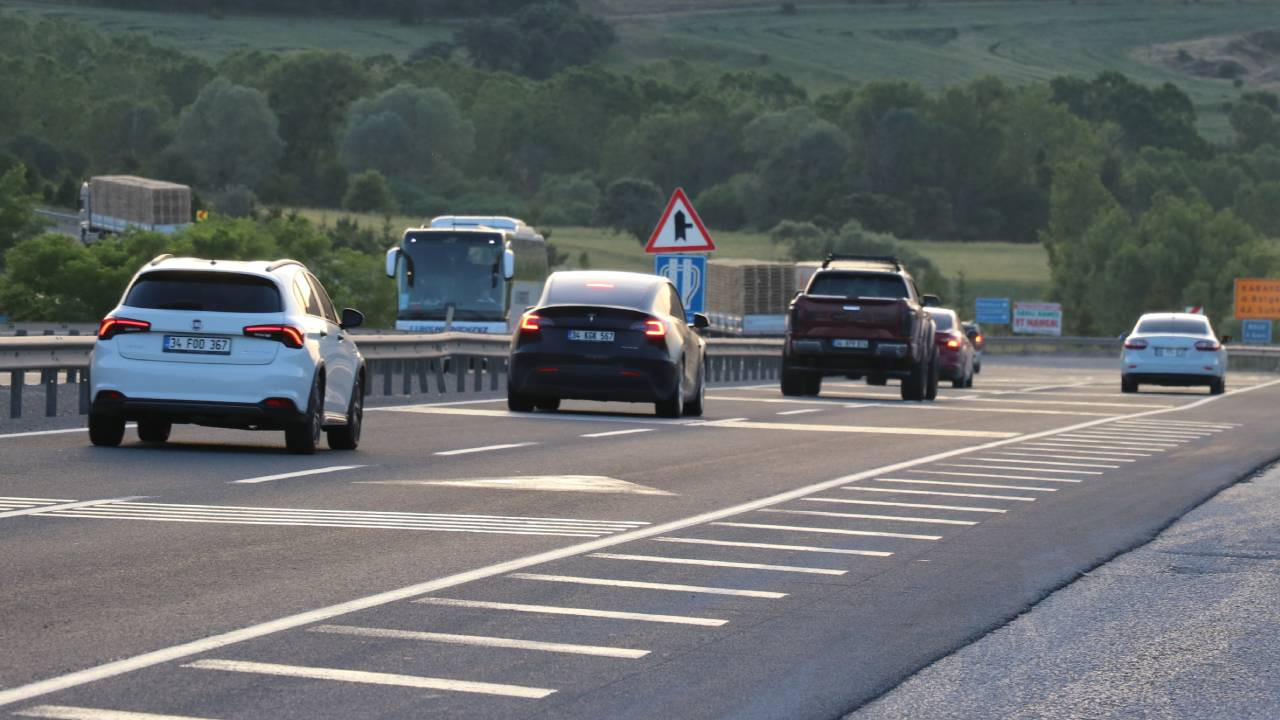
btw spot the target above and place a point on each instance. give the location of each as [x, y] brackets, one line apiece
[780, 557]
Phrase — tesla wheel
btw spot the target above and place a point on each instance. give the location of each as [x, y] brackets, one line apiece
[547, 403]
[793, 383]
[302, 438]
[693, 407]
[106, 430]
[517, 402]
[1217, 387]
[670, 406]
[915, 384]
[1128, 386]
[347, 437]
[154, 431]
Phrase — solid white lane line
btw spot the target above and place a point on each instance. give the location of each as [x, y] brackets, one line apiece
[864, 429]
[968, 407]
[612, 433]
[800, 412]
[1014, 458]
[67, 712]
[40, 509]
[36, 433]
[1127, 406]
[1149, 431]
[950, 483]
[481, 641]
[338, 524]
[922, 506]
[1123, 439]
[718, 563]
[360, 516]
[205, 644]
[640, 585]
[1015, 467]
[1109, 440]
[371, 678]
[937, 493]
[575, 611]
[1083, 450]
[829, 531]
[299, 473]
[859, 516]
[1213, 426]
[396, 514]
[1066, 457]
[486, 448]
[36, 500]
[995, 476]
[773, 546]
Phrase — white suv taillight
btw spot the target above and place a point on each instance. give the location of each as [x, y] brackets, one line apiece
[287, 335]
[113, 326]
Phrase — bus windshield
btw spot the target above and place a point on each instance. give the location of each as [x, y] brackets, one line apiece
[462, 269]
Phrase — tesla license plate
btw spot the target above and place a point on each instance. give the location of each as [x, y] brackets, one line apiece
[591, 335]
[851, 344]
[199, 344]
[1170, 352]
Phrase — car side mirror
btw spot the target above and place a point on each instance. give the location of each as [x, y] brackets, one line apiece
[701, 321]
[508, 264]
[931, 300]
[1226, 339]
[351, 319]
[393, 257]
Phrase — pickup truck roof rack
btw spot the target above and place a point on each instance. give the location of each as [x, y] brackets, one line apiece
[870, 259]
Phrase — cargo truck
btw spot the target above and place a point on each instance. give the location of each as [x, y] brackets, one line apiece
[112, 203]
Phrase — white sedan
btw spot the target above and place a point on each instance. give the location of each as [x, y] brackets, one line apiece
[1173, 349]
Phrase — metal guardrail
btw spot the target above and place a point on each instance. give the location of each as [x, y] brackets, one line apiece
[397, 364]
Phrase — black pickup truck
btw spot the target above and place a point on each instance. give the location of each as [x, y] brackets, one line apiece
[861, 316]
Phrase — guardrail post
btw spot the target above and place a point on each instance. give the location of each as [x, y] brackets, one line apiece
[84, 391]
[50, 393]
[421, 367]
[437, 367]
[460, 370]
[496, 367]
[16, 378]
[406, 377]
[477, 367]
[386, 376]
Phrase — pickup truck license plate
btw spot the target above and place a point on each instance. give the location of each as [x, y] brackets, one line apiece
[591, 335]
[1170, 352]
[199, 344]
[851, 344]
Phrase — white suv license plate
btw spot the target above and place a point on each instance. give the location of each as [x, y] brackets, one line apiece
[199, 344]
[591, 335]
[851, 344]
[1171, 352]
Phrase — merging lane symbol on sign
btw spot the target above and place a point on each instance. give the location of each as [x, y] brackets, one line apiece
[688, 273]
[680, 229]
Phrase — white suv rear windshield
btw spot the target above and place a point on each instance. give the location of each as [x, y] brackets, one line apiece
[204, 292]
[881, 285]
[1173, 326]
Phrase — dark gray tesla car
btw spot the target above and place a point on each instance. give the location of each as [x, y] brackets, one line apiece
[613, 336]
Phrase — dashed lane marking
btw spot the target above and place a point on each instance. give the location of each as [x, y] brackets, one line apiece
[67, 712]
[718, 563]
[774, 546]
[546, 483]
[371, 678]
[484, 448]
[575, 611]
[860, 516]
[936, 493]
[299, 473]
[829, 531]
[920, 506]
[613, 433]
[801, 411]
[481, 641]
[640, 585]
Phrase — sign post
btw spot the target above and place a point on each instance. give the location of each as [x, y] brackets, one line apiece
[1037, 318]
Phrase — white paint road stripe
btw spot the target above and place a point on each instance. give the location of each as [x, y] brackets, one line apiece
[575, 611]
[773, 546]
[940, 493]
[1123, 439]
[1095, 445]
[299, 473]
[462, 520]
[1131, 406]
[481, 641]
[486, 448]
[1015, 455]
[829, 531]
[36, 433]
[612, 433]
[394, 515]
[67, 712]
[36, 500]
[1022, 469]
[995, 476]
[640, 585]
[42, 509]
[371, 678]
[1083, 450]
[349, 525]
[1148, 431]
[1111, 440]
[802, 411]
[1183, 423]
[102, 671]
[922, 506]
[858, 516]
[745, 424]
[718, 563]
[949, 483]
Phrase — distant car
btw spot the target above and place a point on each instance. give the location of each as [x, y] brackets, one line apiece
[973, 331]
[955, 349]
[610, 336]
[247, 345]
[1173, 349]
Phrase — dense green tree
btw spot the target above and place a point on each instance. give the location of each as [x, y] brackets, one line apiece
[407, 133]
[17, 221]
[230, 135]
[632, 206]
[369, 192]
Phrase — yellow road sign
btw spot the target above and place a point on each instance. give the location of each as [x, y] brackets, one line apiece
[1257, 298]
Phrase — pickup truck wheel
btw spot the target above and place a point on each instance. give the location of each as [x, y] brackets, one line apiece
[931, 381]
[916, 384]
[547, 404]
[813, 384]
[793, 384]
[877, 380]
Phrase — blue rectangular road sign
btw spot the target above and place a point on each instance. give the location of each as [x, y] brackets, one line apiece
[1256, 332]
[992, 311]
[689, 274]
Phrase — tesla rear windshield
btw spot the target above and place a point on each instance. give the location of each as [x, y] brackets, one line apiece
[603, 291]
[204, 292]
[880, 285]
[1173, 326]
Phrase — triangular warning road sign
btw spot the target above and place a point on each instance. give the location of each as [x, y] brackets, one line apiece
[680, 229]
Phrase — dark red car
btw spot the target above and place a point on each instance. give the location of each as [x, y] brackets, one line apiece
[956, 354]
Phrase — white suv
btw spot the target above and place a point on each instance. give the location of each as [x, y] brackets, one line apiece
[248, 345]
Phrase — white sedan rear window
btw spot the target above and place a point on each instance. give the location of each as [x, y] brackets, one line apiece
[1173, 326]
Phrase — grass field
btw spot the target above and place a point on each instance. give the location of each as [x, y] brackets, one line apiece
[1016, 271]
[823, 46]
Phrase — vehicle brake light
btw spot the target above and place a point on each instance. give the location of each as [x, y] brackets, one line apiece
[977, 339]
[1138, 344]
[287, 335]
[529, 323]
[113, 326]
[279, 403]
[1209, 345]
[110, 395]
[655, 328]
[953, 343]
